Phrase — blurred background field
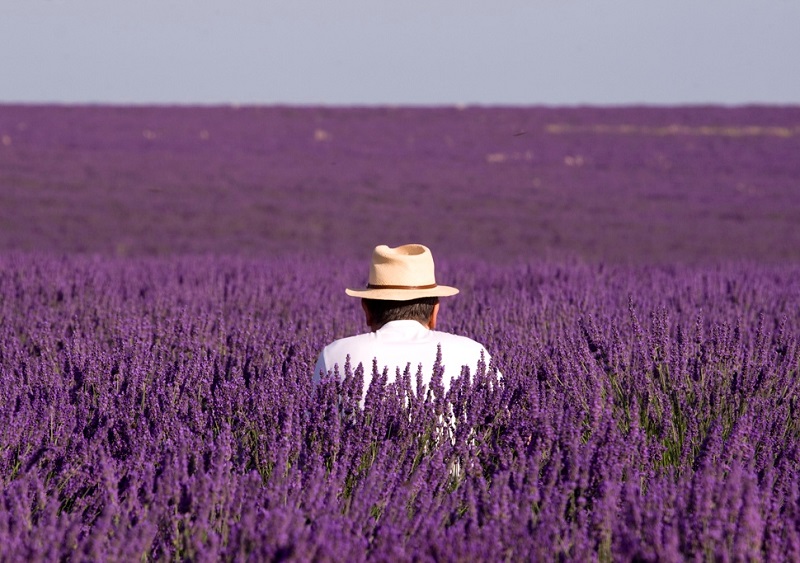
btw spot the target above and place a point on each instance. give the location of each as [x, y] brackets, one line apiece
[619, 185]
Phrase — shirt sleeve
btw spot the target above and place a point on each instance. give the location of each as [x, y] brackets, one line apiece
[487, 358]
[319, 369]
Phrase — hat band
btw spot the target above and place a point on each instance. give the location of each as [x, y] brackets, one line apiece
[376, 286]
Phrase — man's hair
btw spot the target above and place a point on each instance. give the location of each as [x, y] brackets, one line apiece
[383, 311]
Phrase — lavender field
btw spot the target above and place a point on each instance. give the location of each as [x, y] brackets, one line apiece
[168, 276]
[625, 185]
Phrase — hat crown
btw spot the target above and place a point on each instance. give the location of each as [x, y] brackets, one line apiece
[409, 265]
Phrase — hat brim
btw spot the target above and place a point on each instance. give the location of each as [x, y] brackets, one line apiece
[402, 294]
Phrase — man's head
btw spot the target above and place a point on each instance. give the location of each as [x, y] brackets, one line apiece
[378, 312]
[403, 273]
[401, 286]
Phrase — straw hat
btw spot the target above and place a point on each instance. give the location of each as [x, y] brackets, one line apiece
[401, 274]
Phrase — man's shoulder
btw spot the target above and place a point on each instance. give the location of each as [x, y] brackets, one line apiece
[349, 342]
[463, 342]
[337, 351]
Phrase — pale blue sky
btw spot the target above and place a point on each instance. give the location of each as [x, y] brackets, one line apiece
[430, 52]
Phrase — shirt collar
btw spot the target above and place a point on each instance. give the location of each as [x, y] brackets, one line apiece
[404, 326]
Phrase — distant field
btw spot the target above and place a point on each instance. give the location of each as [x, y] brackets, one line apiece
[619, 185]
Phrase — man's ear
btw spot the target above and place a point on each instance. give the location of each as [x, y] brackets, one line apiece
[367, 314]
[432, 320]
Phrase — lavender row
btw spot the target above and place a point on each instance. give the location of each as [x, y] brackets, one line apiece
[160, 409]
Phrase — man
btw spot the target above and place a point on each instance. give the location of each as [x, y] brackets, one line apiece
[401, 304]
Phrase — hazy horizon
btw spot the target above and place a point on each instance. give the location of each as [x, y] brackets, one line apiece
[355, 53]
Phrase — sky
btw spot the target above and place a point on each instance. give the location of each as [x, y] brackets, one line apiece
[400, 52]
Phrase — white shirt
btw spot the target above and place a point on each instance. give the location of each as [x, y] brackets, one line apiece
[398, 344]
